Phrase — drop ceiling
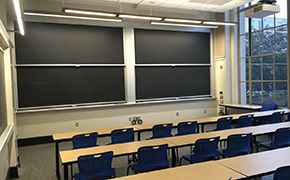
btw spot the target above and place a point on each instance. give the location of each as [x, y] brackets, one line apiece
[200, 5]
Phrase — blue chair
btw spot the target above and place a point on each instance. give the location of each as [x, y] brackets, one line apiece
[151, 158]
[281, 139]
[269, 105]
[122, 136]
[245, 121]
[276, 117]
[161, 131]
[282, 173]
[224, 123]
[204, 150]
[184, 128]
[84, 140]
[238, 144]
[96, 166]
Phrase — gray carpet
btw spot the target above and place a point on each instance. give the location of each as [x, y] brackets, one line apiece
[37, 162]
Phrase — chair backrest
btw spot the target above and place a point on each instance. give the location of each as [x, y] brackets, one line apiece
[84, 140]
[92, 164]
[276, 117]
[245, 121]
[224, 123]
[281, 138]
[122, 136]
[162, 130]
[239, 143]
[269, 105]
[282, 173]
[184, 128]
[207, 147]
[152, 154]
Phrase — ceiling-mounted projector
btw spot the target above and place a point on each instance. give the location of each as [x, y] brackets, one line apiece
[262, 9]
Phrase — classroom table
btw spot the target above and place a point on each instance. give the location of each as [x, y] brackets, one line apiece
[258, 164]
[199, 171]
[70, 156]
[241, 106]
[67, 136]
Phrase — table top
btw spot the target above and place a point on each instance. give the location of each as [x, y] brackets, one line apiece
[199, 171]
[242, 106]
[258, 163]
[71, 156]
[101, 131]
[107, 131]
[255, 130]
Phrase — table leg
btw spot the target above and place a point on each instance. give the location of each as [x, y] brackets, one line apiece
[226, 110]
[139, 135]
[173, 154]
[57, 160]
[202, 128]
[65, 171]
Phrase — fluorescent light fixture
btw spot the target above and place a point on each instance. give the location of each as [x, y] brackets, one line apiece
[71, 17]
[140, 17]
[219, 23]
[94, 13]
[17, 9]
[182, 25]
[182, 20]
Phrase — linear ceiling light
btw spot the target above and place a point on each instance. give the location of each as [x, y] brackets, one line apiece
[182, 25]
[94, 13]
[219, 23]
[140, 17]
[72, 17]
[18, 13]
[182, 20]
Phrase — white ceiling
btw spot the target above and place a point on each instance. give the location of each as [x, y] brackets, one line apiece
[201, 5]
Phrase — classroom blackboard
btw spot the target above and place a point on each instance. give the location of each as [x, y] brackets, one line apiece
[47, 43]
[64, 64]
[171, 47]
[166, 82]
[49, 86]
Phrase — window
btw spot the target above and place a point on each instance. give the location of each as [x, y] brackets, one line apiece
[263, 58]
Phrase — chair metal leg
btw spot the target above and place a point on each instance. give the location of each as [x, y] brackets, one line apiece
[128, 170]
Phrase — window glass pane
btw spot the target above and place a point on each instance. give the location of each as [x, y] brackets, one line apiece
[268, 86]
[281, 18]
[257, 43]
[256, 24]
[268, 96]
[256, 72]
[281, 86]
[268, 73]
[281, 98]
[281, 39]
[256, 60]
[267, 59]
[268, 41]
[256, 93]
[268, 22]
[281, 58]
[280, 72]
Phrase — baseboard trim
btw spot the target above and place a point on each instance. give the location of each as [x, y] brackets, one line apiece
[34, 141]
[12, 173]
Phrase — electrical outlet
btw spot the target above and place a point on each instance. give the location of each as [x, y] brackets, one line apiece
[176, 113]
[204, 111]
[77, 124]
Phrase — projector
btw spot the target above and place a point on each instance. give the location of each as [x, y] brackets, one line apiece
[261, 10]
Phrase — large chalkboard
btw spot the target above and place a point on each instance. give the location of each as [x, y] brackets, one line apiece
[171, 47]
[47, 86]
[46, 43]
[48, 71]
[164, 82]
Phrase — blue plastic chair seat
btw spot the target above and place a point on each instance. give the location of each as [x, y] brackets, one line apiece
[242, 151]
[96, 176]
[282, 173]
[195, 159]
[161, 131]
[150, 167]
[224, 123]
